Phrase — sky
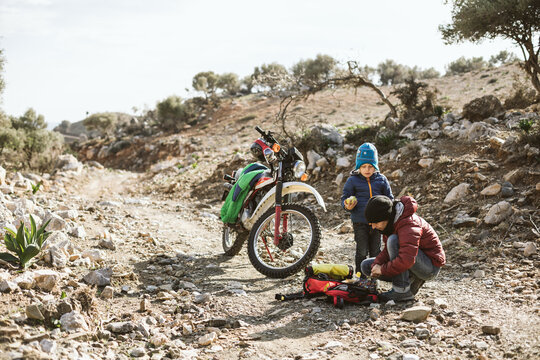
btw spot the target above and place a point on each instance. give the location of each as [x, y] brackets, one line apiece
[69, 58]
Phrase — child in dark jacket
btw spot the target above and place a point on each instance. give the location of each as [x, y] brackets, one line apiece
[363, 183]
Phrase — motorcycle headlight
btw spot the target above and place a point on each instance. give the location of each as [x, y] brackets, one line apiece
[299, 168]
[269, 155]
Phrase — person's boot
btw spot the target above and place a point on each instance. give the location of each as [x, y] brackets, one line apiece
[416, 283]
[396, 296]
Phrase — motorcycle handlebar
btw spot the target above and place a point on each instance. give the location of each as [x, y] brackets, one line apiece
[266, 135]
[260, 131]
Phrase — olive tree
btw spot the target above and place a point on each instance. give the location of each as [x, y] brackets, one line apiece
[229, 83]
[205, 82]
[516, 20]
[311, 71]
[172, 113]
[103, 122]
[273, 76]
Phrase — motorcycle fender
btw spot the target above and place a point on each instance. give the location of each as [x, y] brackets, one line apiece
[270, 198]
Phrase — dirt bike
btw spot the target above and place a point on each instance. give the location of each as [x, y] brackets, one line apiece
[283, 235]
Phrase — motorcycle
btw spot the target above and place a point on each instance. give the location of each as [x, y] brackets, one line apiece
[283, 235]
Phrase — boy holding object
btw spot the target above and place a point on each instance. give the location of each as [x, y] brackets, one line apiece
[363, 183]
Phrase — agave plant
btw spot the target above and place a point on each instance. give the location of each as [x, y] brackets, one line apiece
[25, 243]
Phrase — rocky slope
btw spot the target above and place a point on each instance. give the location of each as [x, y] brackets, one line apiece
[134, 267]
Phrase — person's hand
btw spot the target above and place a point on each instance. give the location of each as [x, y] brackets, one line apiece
[350, 203]
[376, 270]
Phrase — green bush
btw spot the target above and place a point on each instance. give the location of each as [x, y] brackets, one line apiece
[463, 65]
[105, 122]
[416, 99]
[25, 243]
[521, 97]
[273, 76]
[229, 83]
[312, 71]
[502, 58]
[205, 82]
[173, 113]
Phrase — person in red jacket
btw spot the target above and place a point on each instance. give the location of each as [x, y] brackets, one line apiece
[412, 253]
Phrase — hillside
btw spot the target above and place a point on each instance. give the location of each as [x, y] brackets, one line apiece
[135, 266]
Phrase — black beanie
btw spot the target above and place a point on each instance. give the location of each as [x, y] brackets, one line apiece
[378, 208]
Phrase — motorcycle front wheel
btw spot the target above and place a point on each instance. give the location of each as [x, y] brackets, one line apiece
[232, 240]
[300, 237]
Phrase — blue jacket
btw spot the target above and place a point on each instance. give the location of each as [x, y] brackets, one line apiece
[357, 185]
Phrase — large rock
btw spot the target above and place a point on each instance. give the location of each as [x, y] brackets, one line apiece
[101, 277]
[498, 213]
[2, 176]
[327, 134]
[73, 321]
[68, 162]
[483, 108]
[416, 313]
[46, 279]
[491, 190]
[458, 192]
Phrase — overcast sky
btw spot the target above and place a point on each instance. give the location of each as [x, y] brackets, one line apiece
[69, 57]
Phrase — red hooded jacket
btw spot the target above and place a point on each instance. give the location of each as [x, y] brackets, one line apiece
[414, 233]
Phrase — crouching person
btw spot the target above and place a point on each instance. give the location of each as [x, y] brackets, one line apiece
[413, 252]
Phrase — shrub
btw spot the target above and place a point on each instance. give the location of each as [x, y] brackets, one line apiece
[229, 83]
[273, 76]
[311, 71]
[463, 65]
[105, 122]
[391, 73]
[522, 96]
[503, 57]
[25, 243]
[206, 82]
[172, 113]
[416, 99]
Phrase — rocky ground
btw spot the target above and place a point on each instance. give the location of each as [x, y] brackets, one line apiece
[134, 267]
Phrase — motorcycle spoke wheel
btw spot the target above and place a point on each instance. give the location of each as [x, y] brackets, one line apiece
[232, 240]
[298, 244]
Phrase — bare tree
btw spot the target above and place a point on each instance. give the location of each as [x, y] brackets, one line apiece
[353, 77]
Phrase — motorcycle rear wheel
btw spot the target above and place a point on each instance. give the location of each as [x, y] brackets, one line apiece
[232, 240]
[298, 246]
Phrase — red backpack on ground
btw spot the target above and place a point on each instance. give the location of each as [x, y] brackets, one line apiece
[339, 291]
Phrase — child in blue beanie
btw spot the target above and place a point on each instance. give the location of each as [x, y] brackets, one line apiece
[364, 182]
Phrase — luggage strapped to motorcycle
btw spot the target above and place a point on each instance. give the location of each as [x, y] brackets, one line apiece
[338, 288]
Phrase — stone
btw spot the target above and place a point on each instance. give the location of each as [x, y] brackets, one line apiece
[33, 312]
[159, 340]
[138, 352]
[322, 163]
[7, 286]
[144, 305]
[2, 176]
[48, 346]
[25, 281]
[498, 212]
[73, 321]
[530, 249]
[46, 279]
[108, 292]
[326, 134]
[513, 176]
[507, 189]
[458, 192]
[121, 327]
[343, 163]
[101, 277]
[107, 244]
[207, 339]
[312, 158]
[479, 274]
[483, 108]
[68, 214]
[410, 357]
[339, 179]
[202, 298]
[416, 313]
[491, 329]
[95, 255]
[396, 174]
[491, 190]
[426, 163]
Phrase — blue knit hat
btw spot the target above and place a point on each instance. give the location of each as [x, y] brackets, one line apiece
[367, 154]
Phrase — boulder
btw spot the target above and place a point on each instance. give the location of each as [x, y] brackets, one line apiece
[416, 313]
[73, 321]
[458, 192]
[326, 134]
[491, 190]
[483, 108]
[498, 213]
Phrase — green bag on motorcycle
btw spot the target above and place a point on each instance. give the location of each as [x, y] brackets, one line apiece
[235, 199]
